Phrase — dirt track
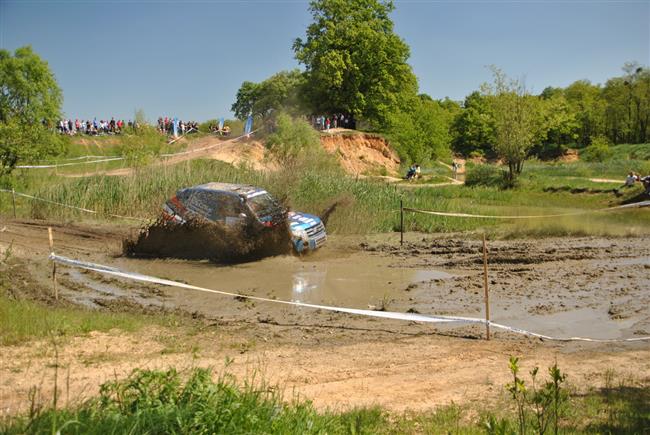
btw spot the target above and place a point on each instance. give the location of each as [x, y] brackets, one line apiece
[586, 286]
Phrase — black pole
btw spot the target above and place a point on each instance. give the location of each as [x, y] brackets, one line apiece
[401, 222]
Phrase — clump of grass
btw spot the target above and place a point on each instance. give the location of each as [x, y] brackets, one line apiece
[485, 175]
[165, 402]
[150, 401]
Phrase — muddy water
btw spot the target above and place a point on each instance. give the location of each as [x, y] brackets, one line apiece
[353, 280]
[562, 287]
[581, 322]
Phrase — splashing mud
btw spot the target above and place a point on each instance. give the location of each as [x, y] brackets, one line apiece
[200, 239]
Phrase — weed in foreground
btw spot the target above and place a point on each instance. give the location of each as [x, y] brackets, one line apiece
[198, 402]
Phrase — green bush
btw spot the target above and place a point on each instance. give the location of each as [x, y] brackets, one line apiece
[484, 175]
[598, 151]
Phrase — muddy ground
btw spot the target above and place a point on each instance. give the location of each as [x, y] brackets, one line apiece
[595, 287]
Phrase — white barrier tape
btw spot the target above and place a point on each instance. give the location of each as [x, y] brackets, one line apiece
[59, 165]
[87, 157]
[104, 159]
[481, 216]
[412, 317]
[85, 210]
[209, 146]
[145, 278]
[182, 136]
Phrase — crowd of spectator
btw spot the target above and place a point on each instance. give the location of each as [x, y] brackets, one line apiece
[215, 128]
[337, 120]
[94, 127]
[166, 125]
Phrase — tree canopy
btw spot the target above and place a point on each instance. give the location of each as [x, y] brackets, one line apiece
[354, 62]
[30, 100]
[280, 92]
[518, 123]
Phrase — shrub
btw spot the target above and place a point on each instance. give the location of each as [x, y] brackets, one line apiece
[484, 175]
[598, 151]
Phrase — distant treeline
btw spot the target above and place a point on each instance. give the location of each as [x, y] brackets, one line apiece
[573, 116]
[356, 66]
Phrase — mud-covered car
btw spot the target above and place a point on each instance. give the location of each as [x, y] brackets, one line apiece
[237, 204]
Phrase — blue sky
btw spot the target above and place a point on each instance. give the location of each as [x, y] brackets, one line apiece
[188, 58]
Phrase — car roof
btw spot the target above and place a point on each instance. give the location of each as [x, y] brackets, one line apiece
[237, 189]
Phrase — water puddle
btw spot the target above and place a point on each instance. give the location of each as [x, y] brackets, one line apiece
[99, 290]
[582, 322]
[353, 280]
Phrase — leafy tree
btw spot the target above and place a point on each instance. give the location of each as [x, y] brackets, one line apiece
[560, 123]
[280, 92]
[627, 101]
[421, 132]
[550, 92]
[586, 104]
[517, 120]
[246, 97]
[30, 101]
[354, 62]
[474, 130]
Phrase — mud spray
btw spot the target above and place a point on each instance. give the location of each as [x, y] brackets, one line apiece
[200, 239]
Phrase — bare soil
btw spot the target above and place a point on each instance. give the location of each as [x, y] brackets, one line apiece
[358, 154]
[361, 154]
[570, 286]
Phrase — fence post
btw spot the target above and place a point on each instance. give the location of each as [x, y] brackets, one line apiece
[487, 295]
[13, 200]
[56, 290]
[401, 222]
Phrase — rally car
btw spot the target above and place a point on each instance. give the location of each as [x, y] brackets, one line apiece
[236, 204]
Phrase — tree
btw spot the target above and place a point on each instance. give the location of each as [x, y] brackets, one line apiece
[280, 92]
[246, 97]
[473, 129]
[586, 104]
[421, 132]
[560, 126]
[627, 101]
[30, 101]
[354, 62]
[517, 120]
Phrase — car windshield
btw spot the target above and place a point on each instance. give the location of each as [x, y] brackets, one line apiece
[262, 205]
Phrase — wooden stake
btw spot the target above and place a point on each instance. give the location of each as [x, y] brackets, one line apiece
[401, 222]
[13, 200]
[56, 290]
[487, 294]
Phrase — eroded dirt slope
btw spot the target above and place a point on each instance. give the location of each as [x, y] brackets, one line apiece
[361, 153]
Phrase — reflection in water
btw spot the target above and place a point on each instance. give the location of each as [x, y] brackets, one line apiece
[304, 282]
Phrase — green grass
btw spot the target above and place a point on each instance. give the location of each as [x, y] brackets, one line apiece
[24, 319]
[198, 402]
[366, 206]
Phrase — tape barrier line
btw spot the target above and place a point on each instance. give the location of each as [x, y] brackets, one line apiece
[103, 159]
[86, 158]
[59, 165]
[209, 146]
[481, 216]
[412, 317]
[85, 210]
